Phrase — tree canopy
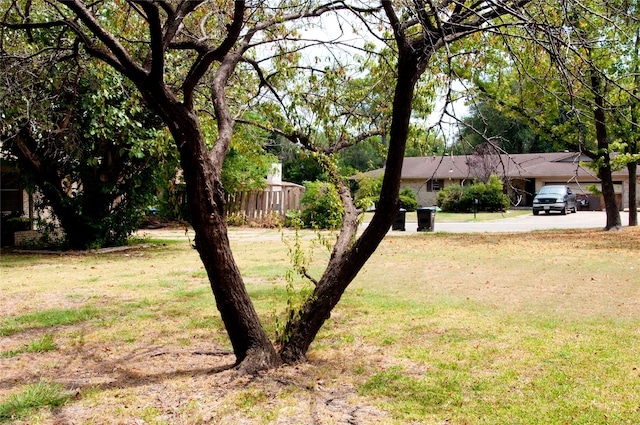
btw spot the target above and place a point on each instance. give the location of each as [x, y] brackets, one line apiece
[79, 131]
[510, 134]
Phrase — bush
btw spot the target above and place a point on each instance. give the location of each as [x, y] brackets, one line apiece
[449, 198]
[408, 199]
[489, 195]
[321, 205]
[11, 223]
[368, 192]
[236, 219]
[293, 218]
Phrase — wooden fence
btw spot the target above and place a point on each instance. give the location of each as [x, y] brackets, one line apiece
[257, 205]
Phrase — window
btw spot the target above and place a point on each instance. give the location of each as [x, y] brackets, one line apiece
[11, 193]
[435, 185]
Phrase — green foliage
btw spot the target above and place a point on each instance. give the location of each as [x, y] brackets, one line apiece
[115, 165]
[91, 149]
[408, 199]
[368, 192]
[594, 189]
[532, 88]
[246, 170]
[490, 197]
[448, 198]
[322, 207]
[338, 103]
[236, 219]
[172, 198]
[299, 167]
[293, 218]
[246, 163]
[422, 142]
[364, 156]
[620, 156]
[297, 294]
[31, 398]
[11, 223]
[511, 133]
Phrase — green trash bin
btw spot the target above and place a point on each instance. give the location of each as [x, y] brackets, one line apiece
[399, 223]
[426, 219]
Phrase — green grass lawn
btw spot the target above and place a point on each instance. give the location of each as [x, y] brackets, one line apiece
[540, 328]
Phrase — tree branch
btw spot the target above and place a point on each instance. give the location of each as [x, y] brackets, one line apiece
[208, 56]
[115, 54]
[155, 59]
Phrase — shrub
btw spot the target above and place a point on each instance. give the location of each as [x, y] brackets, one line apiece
[321, 205]
[236, 219]
[408, 199]
[489, 195]
[368, 192]
[293, 218]
[270, 221]
[449, 198]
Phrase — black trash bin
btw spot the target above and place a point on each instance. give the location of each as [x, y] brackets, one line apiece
[399, 223]
[426, 219]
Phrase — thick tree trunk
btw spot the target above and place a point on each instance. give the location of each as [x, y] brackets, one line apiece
[608, 193]
[346, 263]
[634, 139]
[632, 167]
[604, 171]
[253, 349]
[79, 234]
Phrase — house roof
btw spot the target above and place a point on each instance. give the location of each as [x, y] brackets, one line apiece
[530, 165]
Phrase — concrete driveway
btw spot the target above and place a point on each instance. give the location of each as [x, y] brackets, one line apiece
[524, 223]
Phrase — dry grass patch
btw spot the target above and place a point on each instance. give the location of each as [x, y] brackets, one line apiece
[578, 273]
[464, 329]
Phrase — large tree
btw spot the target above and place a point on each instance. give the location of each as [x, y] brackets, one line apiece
[579, 87]
[180, 53]
[80, 133]
[506, 131]
[626, 113]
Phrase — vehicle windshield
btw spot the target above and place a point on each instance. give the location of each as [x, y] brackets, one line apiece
[552, 190]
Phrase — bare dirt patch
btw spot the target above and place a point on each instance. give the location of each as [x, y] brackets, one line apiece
[196, 385]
